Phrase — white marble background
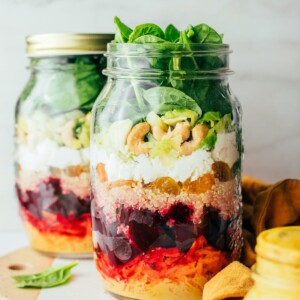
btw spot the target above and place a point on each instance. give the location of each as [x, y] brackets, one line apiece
[265, 37]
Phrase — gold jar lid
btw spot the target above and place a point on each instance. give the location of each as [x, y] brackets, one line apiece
[52, 44]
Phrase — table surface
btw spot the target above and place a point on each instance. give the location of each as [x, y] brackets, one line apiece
[84, 275]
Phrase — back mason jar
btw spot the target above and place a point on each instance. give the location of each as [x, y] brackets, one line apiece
[52, 138]
[166, 151]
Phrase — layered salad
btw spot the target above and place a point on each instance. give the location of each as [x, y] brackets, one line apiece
[52, 155]
[165, 174]
[165, 211]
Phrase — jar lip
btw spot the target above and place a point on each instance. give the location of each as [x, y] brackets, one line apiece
[64, 44]
[153, 49]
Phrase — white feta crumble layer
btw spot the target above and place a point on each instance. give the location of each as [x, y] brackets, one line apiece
[148, 169]
[48, 153]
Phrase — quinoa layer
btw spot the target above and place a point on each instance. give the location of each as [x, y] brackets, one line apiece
[220, 195]
[76, 180]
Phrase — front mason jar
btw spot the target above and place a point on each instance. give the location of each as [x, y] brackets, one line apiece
[52, 140]
[166, 153]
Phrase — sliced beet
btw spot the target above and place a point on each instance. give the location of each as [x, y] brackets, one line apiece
[138, 231]
[143, 236]
[180, 213]
[48, 197]
[215, 228]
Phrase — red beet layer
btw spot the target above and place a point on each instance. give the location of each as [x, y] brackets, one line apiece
[156, 242]
[50, 210]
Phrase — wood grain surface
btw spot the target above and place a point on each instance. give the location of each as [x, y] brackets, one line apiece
[21, 261]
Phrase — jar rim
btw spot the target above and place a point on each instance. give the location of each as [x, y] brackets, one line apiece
[57, 44]
[122, 58]
[153, 49]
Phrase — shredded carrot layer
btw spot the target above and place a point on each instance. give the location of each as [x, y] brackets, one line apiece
[162, 263]
[59, 224]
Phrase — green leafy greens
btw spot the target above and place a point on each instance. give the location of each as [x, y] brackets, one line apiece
[205, 95]
[210, 140]
[49, 278]
[147, 29]
[123, 31]
[162, 99]
[69, 83]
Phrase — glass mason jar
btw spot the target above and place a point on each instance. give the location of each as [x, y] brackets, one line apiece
[166, 154]
[52, 140]
[277, 269]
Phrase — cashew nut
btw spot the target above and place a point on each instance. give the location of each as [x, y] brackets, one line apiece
[135, 139]
[199, 132]
[181, 129]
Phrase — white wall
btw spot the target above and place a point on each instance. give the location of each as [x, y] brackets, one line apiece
[265, 37]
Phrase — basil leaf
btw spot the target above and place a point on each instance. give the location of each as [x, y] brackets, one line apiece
[146, 29]
[172, 33]
[162, 99]
[123, 31]
[49, 278]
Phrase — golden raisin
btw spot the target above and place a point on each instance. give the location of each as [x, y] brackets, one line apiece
[222, 171]
[200, 185]
[121, 183]
[101, 173]
[165, 185]
[74, 171]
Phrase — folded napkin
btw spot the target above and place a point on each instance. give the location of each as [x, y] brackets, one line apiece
[233, 282]
[266, 206]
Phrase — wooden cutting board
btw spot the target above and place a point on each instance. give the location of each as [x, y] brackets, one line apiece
[21, 261]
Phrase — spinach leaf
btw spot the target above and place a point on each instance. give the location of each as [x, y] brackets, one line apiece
[49, 278]
[190, 32]
[88, 81]
[74, 86]
[123, 31]
[211, 95]
[149, 39]
[205, 34]
[162, 99]
[146, 29]
[188, 62]
[172, 34]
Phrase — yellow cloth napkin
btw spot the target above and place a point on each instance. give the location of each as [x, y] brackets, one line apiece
[266, 206]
